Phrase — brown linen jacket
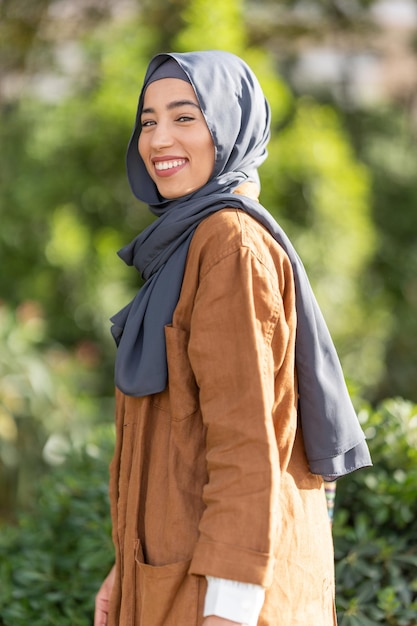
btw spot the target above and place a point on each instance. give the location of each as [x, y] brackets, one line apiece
[210, 477]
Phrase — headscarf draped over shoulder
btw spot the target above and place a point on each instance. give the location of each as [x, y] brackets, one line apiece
[238, 118]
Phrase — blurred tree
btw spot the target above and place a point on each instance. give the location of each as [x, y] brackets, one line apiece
[210, 25]
[284, 27]
[65, 202]
[382, 132]
[386, 140]
[166, 20]
[47, 402]
[19, 28]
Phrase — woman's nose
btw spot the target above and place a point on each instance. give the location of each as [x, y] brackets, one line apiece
[162, 136]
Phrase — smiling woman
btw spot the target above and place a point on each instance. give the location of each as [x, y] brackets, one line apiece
[175, 143]
[231, 408]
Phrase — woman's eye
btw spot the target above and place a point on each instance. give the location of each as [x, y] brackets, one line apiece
[185, 118]
[145, 123]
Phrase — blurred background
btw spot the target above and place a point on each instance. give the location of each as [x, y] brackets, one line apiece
[341, 178]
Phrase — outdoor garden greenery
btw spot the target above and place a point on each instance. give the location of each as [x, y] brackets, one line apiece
[341, 181]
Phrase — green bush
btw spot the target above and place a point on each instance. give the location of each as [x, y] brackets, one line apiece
[50, 400]
[376, 524]
[53, 560]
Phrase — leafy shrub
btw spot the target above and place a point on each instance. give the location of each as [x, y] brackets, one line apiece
[53, 560]
[376, 524]
[50, 399]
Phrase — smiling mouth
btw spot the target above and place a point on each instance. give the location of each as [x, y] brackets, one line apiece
[161, 166]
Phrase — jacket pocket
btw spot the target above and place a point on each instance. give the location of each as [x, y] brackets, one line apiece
[165, 595]
[181, 398]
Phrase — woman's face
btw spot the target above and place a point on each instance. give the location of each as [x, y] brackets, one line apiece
[175, 143]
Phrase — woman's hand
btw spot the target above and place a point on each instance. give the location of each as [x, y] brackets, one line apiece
[213, 620]
[103, 598]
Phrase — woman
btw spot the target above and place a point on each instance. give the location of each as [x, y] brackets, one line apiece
[230, 401]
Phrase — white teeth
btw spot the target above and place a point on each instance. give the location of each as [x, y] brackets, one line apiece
[167, 165]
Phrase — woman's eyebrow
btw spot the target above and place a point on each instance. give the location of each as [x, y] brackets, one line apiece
[180, 103]
[173, 105]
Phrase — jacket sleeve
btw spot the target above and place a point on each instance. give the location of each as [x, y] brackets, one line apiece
[237, 306]
[235, 601]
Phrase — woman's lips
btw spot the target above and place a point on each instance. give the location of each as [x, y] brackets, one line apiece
[168, 167]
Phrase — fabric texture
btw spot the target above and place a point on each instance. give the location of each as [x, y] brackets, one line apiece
[168, 69]
[239, 602]
[209, 476]
[238, 118]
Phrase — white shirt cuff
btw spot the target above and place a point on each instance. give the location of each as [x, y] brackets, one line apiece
[234, 600]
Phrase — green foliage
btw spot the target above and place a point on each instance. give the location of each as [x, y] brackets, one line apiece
[376, 524]
[212, 24]
[53, 561]
[385, 140]
[65, 203]
[48, 401]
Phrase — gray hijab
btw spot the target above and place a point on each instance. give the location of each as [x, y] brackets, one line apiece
[238, 118]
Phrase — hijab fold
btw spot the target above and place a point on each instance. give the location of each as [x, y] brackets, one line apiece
[238, 118]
